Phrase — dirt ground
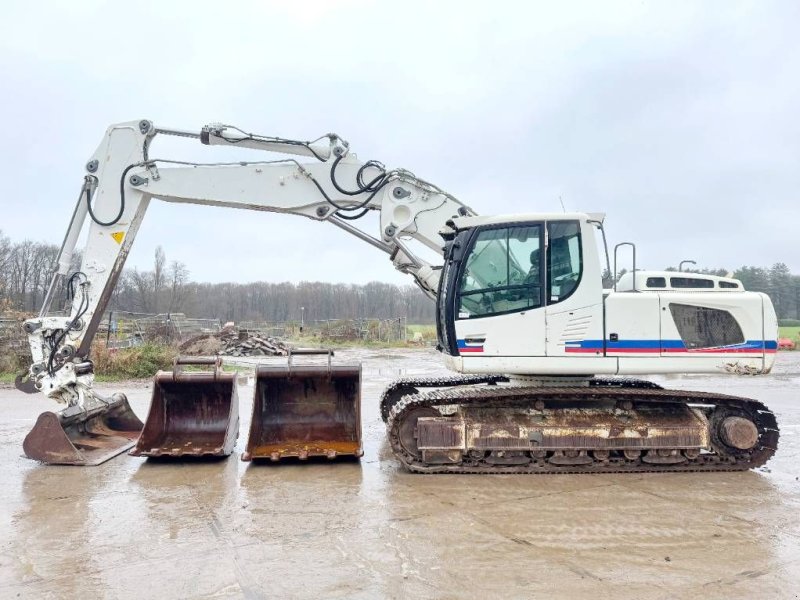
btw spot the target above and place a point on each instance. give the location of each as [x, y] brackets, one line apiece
[135, 529]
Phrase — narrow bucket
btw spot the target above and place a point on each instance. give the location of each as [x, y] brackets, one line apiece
[91, 437]
[305, 411]
[192, 414]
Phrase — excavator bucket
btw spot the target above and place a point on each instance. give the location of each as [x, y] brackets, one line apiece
[305, 411]
[84, 437]
[192, 414]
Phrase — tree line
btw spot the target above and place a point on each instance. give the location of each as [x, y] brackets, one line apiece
[26, 267]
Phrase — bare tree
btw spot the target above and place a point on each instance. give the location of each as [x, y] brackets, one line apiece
[141, 283]
[43, 264]
[5, 263]
[179, 277]
[22, 271]
[159, 275]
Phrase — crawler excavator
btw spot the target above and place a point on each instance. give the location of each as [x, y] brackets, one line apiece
[544, 357]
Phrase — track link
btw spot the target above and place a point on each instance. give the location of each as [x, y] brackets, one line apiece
[640, 392]
[410, 385]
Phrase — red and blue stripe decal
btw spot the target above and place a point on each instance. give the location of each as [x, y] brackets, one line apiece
[666, 346]
[643, 347]
[468, 347]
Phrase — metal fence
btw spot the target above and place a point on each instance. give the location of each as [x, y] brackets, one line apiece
[122, 329]
[366, 329]
[279, 329]
[126, 329]
[14, 349]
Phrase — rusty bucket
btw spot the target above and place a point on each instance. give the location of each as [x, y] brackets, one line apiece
[84, 436]
[305, 411]
[192, 414]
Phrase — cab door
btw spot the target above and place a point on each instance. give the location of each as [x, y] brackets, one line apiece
[574, 292]
[499, 309]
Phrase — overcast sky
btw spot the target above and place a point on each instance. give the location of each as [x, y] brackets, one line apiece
[679, 120]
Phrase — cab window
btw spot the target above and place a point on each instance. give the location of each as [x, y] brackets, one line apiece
[565, 259]
[502, 273]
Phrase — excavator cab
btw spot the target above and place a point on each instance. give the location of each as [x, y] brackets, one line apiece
[504, 283]
[305, 411]
[192, 414]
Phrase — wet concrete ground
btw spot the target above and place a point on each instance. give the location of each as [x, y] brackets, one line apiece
[134, 529]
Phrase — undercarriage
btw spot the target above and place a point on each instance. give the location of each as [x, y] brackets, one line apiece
[488, 424]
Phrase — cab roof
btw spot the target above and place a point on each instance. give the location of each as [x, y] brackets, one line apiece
[469, 222]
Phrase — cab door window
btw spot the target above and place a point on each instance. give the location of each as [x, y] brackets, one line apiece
[564, 259]
[503, 272]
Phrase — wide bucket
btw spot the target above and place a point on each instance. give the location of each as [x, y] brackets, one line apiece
[84, 437]
[305, 411]
[192, 414]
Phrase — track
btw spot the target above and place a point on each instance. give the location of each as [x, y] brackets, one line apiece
[410, 385]
[638, 392]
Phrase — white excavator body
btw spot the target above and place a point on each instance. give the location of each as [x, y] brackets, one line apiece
[525, 296]
[520, 306]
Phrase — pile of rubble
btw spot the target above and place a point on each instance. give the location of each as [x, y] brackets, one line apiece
[256, 346]
[233, 342]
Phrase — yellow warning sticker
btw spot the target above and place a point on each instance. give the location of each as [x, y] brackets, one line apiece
[118, 235]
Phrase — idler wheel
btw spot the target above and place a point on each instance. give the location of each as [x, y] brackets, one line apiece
[738, 432]
[386, 406]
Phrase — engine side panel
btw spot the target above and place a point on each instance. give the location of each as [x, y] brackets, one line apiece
[689, 332]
